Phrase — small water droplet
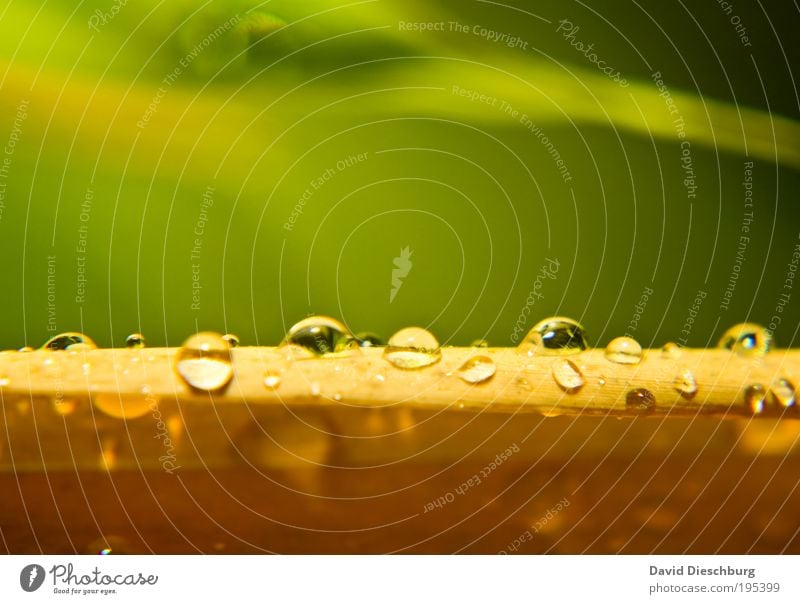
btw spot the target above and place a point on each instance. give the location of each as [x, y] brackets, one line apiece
[477, 369]
[204, 362]
[671, 350]
[783, 393]
[26, 349]
[747, 339]
[4, 381]
[123, 406]
[71, 340]
[337, 397]
[367, 339]
[754, 396]
[602, 381]
[412, 348]
[640, 400]
[685, 383]
[568, 375]
[480, 343]
[624, 350]
[319, 335]
[555, 335]
[379, 377]
[231, 339]
[135, 340]
[272, 379]
[315, 389]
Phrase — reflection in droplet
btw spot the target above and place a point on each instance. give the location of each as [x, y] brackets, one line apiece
[320, 335]
[567, 375]
[624, 350]
[71, 340]
[412, 348]
[204, 362]
[555, 335]
[747, 339]
[640, 400]
[477, 369]
[135, 340]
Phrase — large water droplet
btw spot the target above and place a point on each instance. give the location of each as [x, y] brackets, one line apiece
[567, 375]
[71, 340]
[135, 340]
[231, 339]
[624, 350]
[204, 362]
[640, 400]
[747, 339]
[783, 393]
[367, 339]
[477, 369]
[556, 335]
[685, 383]
[754, 396]
[412, 348]
[320, 335]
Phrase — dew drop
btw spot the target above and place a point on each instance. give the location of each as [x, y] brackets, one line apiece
[640, 400]
[783, 393]
[204, 362]
[71, 340]
[26, 349]
[671, 350]
[123, 406]
[315, 389]
[319, 335]
[568, 375]
[747, 339]
[135, 340]
[685, 383]
[231, 339]
[272, 379]
[4, 381]
[477, 369]
[412, 348]
[754, 396]
[367, 339]
[556, 335]
[624, 350]
[479, 344]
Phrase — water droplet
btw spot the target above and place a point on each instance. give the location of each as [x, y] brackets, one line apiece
[320, 335]
[602, 381]
[477, 369]
[135, 340]
[747, 339]
[204, 362]
[337, 397]
[272, 379]
[568, 375]
[26, 349]
[231, 339]
[479, 344]
[110, 545]
[123, 406]
[379, 378]
[412, 348]
[556, 335]
[783, 393]
[671, 350]
[685, 383]
[4, 381]
[315, 389]
[624, 350]
[754, 397]
[368, 339]
[640, 400]
[71, 340]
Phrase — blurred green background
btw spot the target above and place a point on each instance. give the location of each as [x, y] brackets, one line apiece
[176, 141]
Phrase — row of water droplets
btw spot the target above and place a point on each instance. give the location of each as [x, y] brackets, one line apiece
[204, 361]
